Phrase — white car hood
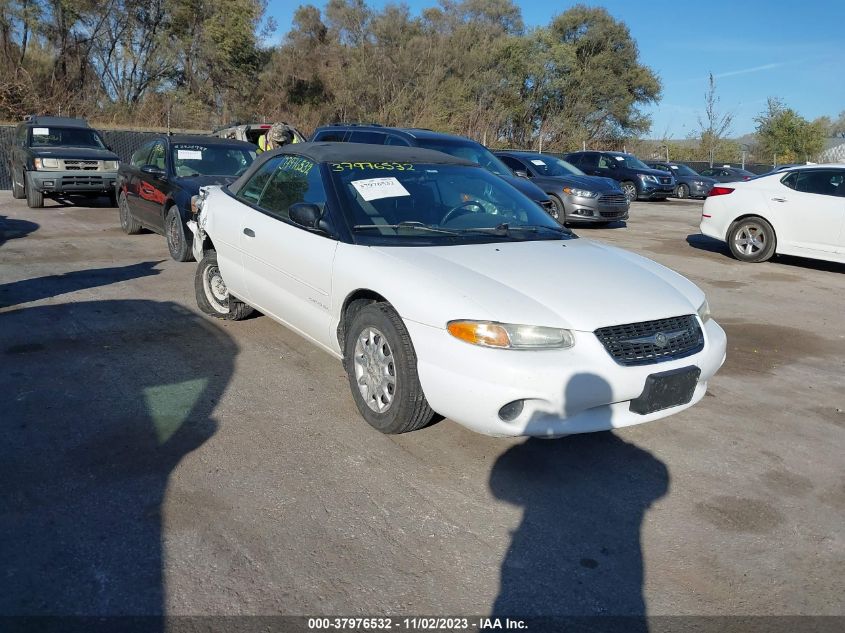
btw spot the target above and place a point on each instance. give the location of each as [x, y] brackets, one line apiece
[576, 284]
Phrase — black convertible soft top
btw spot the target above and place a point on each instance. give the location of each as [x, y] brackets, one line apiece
[353, 153]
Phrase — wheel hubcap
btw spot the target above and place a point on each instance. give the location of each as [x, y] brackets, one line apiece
[175, 234]
[375, 370]
[630, 192]
[215, 289]
[750, 239]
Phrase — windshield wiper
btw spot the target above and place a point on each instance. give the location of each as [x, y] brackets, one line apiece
[408, 224]
[505, 229]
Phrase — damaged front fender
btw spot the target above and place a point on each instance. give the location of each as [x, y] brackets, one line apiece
[197, 224]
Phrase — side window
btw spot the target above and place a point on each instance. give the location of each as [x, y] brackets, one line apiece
[252, 190]
[157, 155]
[373, 138]
[790, 180]
[295, 180]
[606, 162]
[395, 140]
[139, 158]
[330, 137]
[589, 160]
[513, 163]
[824, 182]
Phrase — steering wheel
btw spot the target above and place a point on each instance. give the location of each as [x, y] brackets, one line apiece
[462, 209]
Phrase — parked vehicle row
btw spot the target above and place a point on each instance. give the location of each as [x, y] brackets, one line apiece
[637, 180]
[688, 182]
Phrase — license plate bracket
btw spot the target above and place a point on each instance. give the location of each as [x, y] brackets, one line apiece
[666, 389]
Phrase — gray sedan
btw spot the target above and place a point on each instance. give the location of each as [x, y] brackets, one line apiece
[577, 197]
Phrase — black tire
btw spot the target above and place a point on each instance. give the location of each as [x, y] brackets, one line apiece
[128, 223]
[558, 211]
[34, 198]
[212, 296]
[113, 199]
[752, 240]
[629, 188]
[408, 410]
[18, 191]
[682, 191]
[179, 238]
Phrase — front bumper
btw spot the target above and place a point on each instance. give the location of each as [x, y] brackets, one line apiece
[590, 210]
[650, 191]
[76, 181]
[578, 390]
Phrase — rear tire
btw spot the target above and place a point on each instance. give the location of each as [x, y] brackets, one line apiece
[381, 364]
[752, 240]
[179, 243]
[34, 198]
[128, 223]
[682, 191]
[213, 297]
[18, 191]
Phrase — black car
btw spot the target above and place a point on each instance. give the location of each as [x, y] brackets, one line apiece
[57, 156]
[688, 182]
[457, 146]
[727, 174]
[577, 197]
[638, 180]
[156, 186]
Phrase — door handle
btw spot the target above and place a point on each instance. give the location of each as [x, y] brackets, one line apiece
[778, 199]
[249, 232]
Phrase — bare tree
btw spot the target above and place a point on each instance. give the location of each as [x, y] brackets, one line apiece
[716, 125]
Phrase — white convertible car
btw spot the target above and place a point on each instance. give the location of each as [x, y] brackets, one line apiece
[443, 289]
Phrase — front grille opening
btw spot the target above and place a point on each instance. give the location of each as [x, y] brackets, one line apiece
[649, 342]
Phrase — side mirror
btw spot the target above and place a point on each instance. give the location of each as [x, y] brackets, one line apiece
[306, 215]
[153, 170]
[521, 173]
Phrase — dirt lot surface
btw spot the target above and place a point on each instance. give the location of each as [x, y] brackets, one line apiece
[153, 460]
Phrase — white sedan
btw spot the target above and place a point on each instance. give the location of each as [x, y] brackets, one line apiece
[798, 211]
[444, 289]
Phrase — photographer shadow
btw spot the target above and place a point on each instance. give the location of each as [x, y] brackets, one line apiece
[577, 551]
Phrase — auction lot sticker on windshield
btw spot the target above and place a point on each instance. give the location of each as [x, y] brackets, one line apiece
[538, 162]
[188, 154]
[375, 188]
[41, 131]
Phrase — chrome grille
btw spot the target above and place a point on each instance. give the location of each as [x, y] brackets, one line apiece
[86, 165]
[613, 199]
[652, 341]
[665, 180]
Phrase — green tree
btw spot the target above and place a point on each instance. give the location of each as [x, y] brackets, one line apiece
[786, 136]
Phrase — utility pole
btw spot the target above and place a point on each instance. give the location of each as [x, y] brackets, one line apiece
[744, 152]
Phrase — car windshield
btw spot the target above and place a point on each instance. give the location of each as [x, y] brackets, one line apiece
[66, 137]
[552, 166]
[684, 170]
[403, 204]
[468, 150]
[630, 162]
[191, 159]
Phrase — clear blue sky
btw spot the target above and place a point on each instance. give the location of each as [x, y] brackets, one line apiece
[756, 49]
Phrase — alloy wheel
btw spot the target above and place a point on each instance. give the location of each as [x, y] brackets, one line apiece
[375, 369]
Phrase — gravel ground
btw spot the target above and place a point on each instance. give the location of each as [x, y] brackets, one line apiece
[153, 460]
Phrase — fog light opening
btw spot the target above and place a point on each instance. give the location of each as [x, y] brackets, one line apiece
[511, 410]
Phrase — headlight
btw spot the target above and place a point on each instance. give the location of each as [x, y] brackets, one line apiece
[648, 178]
[510, 336]
[111, 165]
[704, 312]
[46, 163]
[581, 193]
[698, 183]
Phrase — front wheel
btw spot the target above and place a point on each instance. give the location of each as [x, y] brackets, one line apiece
[213, 297]
[381, 365]
[682, 191]
[128, 223]
[178, 241]
[558, 212]
[752, 240]
[630, 190]
[18, 191]
[34, 198]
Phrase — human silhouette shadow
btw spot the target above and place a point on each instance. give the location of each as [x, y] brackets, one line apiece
[577, 550]
[102, 400]
[27, 290]
[12, 228]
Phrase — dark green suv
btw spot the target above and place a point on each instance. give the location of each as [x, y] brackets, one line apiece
[57, 156]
